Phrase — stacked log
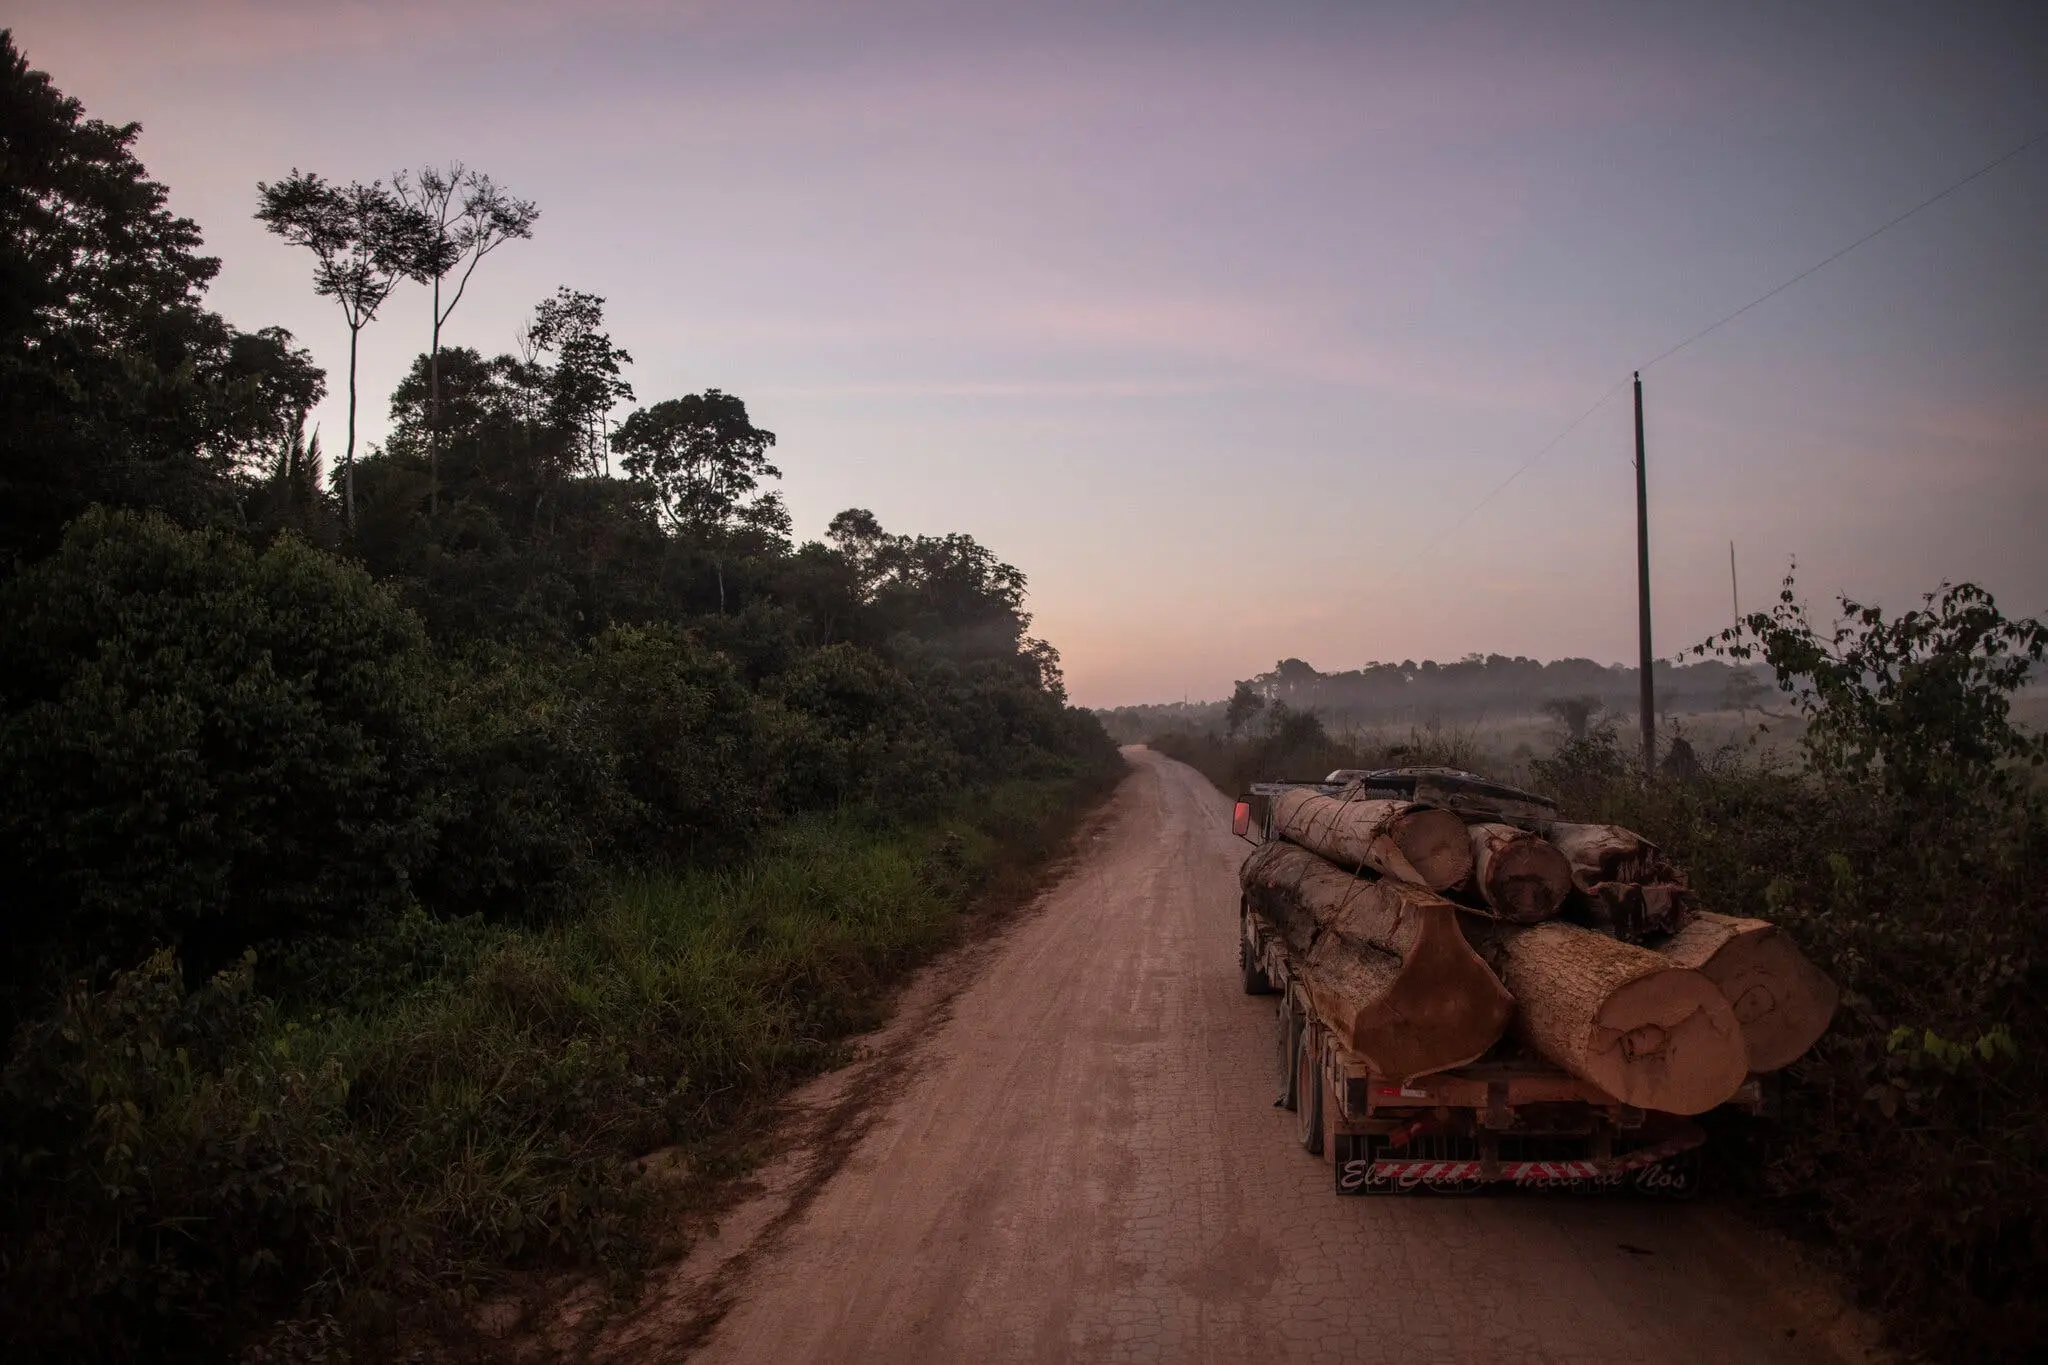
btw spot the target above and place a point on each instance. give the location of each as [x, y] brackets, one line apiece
[1399, 839]
[1384, 962]
[1608, 853]
[1627, 888]
[1634, 913]
[1781, 1000]
[1520, 876]
[1618, 1016]
[1645, 998]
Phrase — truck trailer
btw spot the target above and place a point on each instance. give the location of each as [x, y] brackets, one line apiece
[1507, 1121]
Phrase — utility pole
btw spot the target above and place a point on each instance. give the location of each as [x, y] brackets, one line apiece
[1734, 593]
[1649, 695]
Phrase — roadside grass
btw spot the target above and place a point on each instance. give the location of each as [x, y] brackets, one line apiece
[370, 1136]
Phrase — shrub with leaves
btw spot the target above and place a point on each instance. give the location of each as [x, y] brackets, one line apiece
[1921, 701]
[205, 745]
[159, 1170]
[696, 750]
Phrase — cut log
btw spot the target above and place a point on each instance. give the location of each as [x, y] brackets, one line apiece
[1521, 877]
[1617, 1016]
[1668, 907]
[1782, 1001]
[1634, 913]
[1398, 838]
[1384, 962]
[1609, 853]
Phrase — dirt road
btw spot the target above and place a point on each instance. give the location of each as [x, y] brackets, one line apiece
[1083, 1163]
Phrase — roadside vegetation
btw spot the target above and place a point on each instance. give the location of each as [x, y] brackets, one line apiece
[1907, 852]
[395, 861]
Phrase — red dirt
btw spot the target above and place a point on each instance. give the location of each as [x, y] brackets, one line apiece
[1064, 1148]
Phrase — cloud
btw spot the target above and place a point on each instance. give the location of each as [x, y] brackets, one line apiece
[1020, 389]
[1289, 344]
[237, 33]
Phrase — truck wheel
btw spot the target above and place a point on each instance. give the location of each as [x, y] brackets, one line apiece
[1255, 981]
[1286, 1038]
[1308, 1093]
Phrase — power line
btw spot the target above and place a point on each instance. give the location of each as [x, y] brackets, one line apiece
[1764, 297]
[1523, 468]
[1875, 232]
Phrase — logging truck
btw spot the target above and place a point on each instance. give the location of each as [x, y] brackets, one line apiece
[1508, 1119]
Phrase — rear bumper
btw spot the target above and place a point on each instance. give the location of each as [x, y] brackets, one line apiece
[1367, 1164]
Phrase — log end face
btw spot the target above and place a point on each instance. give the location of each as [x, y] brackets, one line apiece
[1668, 1040]
[1436, 845]
[1527, 881]
[1417, 1030]
[1442, 1007]
[1782, 1002]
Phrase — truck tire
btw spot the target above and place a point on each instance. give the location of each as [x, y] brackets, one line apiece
[1308, 1092]
[1256, 981]
[1287, 1038]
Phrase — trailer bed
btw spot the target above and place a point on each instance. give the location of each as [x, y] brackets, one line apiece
[1514, 1123]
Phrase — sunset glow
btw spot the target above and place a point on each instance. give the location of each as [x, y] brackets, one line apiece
[1172, 305]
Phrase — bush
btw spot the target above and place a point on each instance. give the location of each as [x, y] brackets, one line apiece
[697, 752]
[204, 745]
[862, 733]
[536, 812]
[161, 1167]
[1920, 703]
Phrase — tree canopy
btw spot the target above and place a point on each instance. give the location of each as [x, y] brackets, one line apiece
[117, 385]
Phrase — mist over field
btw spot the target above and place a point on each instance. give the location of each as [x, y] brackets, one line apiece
[1474, 689]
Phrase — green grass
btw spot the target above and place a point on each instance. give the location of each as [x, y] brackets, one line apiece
[388, 1128]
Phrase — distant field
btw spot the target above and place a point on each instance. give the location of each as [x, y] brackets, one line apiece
[1503, 745]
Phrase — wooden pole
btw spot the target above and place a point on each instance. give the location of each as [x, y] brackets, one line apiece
[1734, 593]
[1649, 692]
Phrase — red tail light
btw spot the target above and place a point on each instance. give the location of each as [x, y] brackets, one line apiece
[1241, 819]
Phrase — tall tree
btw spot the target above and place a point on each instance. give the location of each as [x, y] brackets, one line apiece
[858, 536]
[275, 380]
[1244, 704]
[701, 456]
[585, 382]
[364, 240]
[117, 385]
[472, 217]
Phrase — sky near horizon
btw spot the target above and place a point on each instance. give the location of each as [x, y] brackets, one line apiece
[1220, 321]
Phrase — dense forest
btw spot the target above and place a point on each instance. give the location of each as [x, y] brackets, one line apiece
[398, 847]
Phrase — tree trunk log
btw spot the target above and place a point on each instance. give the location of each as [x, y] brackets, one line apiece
[1412, 843]
[1384, 962]
[1616, 1016]
[1609, 853]
[1521, 877]
[1782, 1001]
[1634, 913]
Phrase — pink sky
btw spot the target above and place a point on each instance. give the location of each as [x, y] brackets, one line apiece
[1212, 318]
